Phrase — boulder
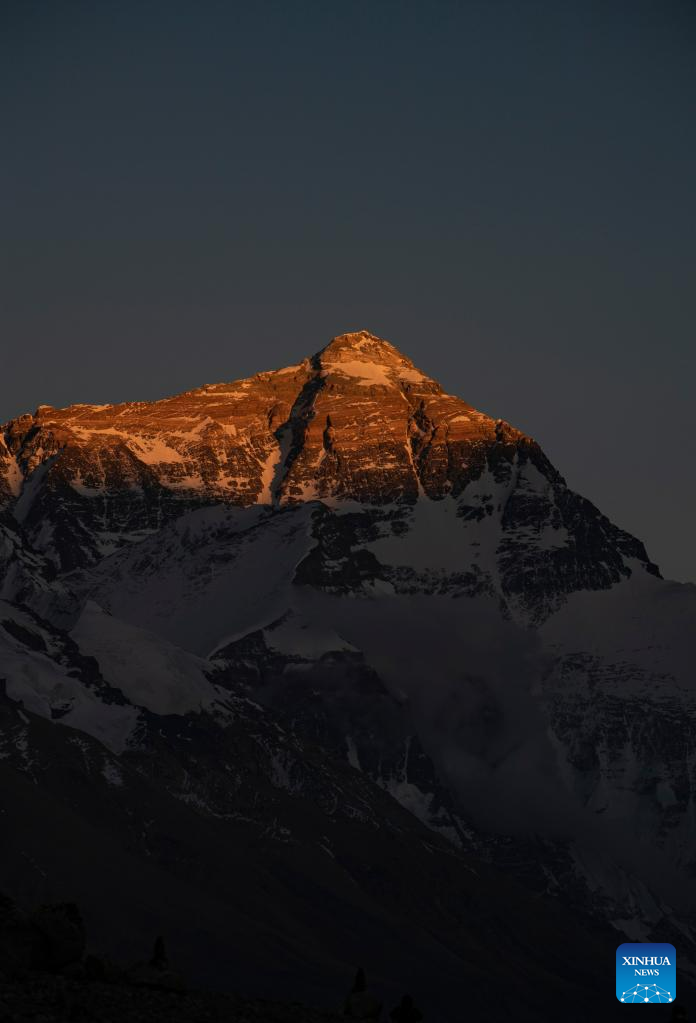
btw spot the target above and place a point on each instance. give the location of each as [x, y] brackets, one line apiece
[16, 939]
[59, 936]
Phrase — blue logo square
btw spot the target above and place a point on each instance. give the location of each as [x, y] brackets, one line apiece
[646, 973]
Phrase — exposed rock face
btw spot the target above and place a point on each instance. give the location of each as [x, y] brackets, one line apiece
[355, 423]
[10, 475]
[368, 426]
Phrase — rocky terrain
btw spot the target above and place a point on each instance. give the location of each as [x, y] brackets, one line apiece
[326, 666]
[52, 999]
[48, 976]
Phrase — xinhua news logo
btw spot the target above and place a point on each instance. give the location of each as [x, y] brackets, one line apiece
[646, 973]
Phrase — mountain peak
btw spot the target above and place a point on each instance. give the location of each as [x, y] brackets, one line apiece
[361, 346]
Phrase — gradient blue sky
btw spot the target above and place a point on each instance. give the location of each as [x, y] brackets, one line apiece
[193, 191]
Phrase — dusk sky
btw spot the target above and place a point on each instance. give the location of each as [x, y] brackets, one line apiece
[192, 192]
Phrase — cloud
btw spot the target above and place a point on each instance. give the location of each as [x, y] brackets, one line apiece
[471, 681]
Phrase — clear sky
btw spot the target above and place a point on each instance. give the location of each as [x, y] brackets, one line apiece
[193, 191]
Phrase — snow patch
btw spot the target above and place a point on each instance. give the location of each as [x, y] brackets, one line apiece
[368, 374]
[151, 672]
[353, 758]
[301, 638]
[46, 688]
[112, 774]
[154, 451]
[435, 540]
[412, 376]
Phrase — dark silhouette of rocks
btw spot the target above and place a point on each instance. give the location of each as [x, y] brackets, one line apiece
[159, 959]
[406, 1011]
[50, 938]
[46, 978]
[16, 939]
[157, 972]
[55, 998]
[155, 975]
[361, 1003]
[59, 936]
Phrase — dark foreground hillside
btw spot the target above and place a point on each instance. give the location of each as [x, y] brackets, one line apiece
[48, 975]
[57, 999]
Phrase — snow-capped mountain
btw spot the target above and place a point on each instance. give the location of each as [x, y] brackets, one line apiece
[355, 424]
[340, 560]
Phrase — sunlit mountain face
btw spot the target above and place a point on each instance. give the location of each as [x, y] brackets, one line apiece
[338, 666]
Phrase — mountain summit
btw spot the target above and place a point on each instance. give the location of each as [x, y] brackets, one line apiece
[368, 358]
[363, 345]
